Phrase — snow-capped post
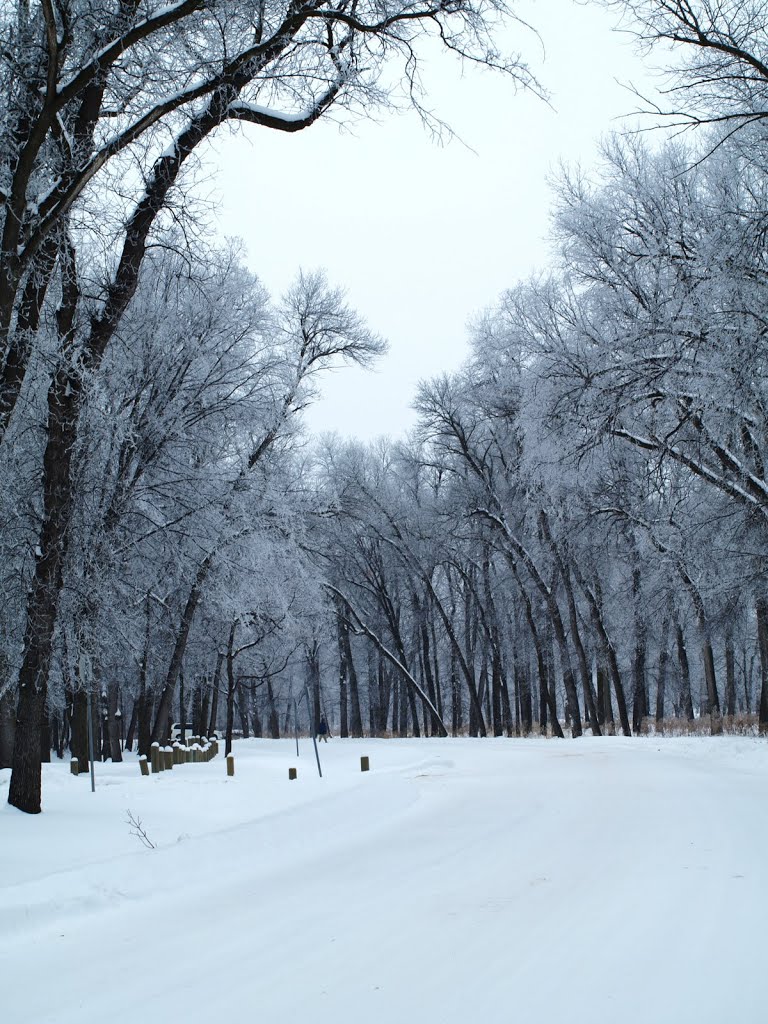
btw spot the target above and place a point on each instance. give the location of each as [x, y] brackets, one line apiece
[157, 765]
[230, 764]
[364, 764]
[291, 774]
[167, 758]
[143, 765]
[74, 766]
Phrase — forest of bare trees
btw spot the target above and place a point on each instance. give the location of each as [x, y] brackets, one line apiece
[571, 538]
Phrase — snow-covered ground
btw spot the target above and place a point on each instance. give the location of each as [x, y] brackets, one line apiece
[485, 881]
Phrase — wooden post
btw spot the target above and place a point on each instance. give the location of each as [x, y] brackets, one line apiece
[157, 762]
[291, 773]
[364, 764]
[74, 766]
[230, 764]
[143, 765]
[167, 758]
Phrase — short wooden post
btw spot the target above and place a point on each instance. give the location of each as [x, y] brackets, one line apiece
[157, 761]
[188, 755]
[230, 764]
[291, 773]
[143, 765]
[74, 766]
[364, 764]
[176, 753]
[167, 758]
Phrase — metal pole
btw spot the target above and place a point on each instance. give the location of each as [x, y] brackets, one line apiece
[90, 741]
[313, 724]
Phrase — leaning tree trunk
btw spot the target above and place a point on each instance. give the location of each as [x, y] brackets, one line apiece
[162, 718]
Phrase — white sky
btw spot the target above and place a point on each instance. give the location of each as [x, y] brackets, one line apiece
[423, 236]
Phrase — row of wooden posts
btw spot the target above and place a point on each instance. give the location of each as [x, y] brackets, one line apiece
[164, 758]
[201, 750]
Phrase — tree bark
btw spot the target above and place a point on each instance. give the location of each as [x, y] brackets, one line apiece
[762, 637]
[730, 674]
[661, 681]
[685, 673]
[113, 723]
[7, 728]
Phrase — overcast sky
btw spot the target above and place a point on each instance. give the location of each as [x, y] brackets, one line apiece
[424, 236]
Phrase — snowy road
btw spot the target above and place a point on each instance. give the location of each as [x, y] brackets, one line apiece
[459, 881]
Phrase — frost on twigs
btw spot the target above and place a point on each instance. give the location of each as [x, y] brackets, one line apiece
[138, 830]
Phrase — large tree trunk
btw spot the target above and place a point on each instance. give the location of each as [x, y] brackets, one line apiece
[7, 728]
[25, 791]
